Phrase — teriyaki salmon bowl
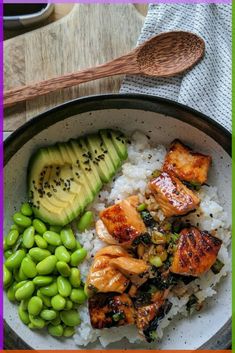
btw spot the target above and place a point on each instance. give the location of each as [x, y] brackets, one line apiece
[118, 227]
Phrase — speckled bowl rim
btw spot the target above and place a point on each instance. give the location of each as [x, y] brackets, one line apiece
[222, 339]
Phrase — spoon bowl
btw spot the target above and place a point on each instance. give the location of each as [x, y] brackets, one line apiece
[170, 53]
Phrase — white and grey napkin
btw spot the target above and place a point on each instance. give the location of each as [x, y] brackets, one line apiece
[207, 87]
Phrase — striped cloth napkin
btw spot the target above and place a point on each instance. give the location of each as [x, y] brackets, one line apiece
[207, 87]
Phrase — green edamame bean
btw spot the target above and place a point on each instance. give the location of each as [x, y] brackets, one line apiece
[11, 292]
[56, 331]
[64, 286]
[7, 253]
[58, 302]
[35, 305]
[5, 246]
[78, 256]
[39, 254]
[7, 276]
[28, 237]
[63, 268]
[70, 318]
[68, 305]
[75, 277]
[42, 281]
[85, 221]
[62, 254]
[50, 290]
[15, 259]
[39, 226]
[47, 314]
[29, 267]
[52, 238]
[41, 243]
[78, 296]
[20, 284]
[25, 291]
[37, 322]
[46, 266]
[23, 315]
[26, 210]
[22, 276]
[68, 331]
[24, 304]
[55, 229]
[46, 300]
[68, 238]
[12, 237]
[22, 220]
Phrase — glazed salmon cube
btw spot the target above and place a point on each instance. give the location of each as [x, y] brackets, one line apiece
[123, 222]
[185, 164]
[110, 309]
[148, 317]
[196, 252]
[172, 196]
[104, 278]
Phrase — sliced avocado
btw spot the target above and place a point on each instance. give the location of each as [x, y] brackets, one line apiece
[63, 179]
[107, 139]
[100, 157]
[119, 142]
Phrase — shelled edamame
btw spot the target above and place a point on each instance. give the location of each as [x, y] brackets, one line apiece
[40, 272]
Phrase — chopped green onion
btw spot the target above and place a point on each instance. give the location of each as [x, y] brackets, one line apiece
[218, 265]
[156, 261]
[155, 173]
[153, 335]
[141, 207]
[191, 305]
[118, 316]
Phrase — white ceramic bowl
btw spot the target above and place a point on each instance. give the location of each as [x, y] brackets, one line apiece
[163, 121]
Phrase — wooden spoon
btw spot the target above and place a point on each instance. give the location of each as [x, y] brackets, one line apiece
[166, 54]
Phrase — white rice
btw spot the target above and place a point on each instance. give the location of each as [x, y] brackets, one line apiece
[132, 179]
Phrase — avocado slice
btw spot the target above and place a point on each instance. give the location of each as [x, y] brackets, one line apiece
[100, 157]
[84, 158]
[106, 137]
[119, 142]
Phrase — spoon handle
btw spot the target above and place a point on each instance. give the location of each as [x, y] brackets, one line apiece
[126, 64]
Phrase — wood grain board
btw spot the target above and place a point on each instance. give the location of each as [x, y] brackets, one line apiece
[90, 34]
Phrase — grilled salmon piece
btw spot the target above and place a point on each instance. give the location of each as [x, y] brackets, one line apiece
[172, 196]
[110, 309]
[148, 316]
[185, 164]
[196, 252]
[135, 269]
[123, 221]
[104, 278]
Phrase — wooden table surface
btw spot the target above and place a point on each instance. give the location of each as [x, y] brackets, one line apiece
[75, 37]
